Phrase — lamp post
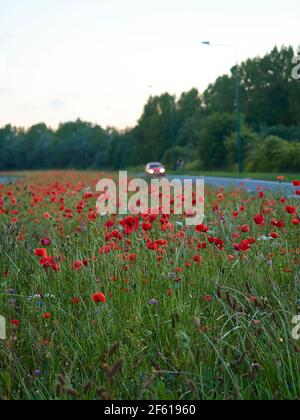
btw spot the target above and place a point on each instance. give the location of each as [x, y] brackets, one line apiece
[238, 103]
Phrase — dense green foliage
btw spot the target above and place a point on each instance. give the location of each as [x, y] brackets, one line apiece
[194, 127]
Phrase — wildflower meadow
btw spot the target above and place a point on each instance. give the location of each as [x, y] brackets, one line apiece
[143, 307]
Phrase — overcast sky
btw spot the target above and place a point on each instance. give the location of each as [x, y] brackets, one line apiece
[96, 59]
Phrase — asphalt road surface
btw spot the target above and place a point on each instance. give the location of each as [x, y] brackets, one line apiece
[251, 185]
[7, 179]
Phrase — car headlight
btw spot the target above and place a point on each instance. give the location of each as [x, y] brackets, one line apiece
[151, 172]
[162, 170]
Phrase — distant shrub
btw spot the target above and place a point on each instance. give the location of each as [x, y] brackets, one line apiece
[274, 154]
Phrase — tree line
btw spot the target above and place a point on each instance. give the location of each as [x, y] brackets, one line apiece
[196, 127]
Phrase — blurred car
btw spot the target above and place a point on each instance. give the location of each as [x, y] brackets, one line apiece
[155, 169]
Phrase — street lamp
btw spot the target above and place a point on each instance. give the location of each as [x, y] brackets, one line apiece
[238, 102]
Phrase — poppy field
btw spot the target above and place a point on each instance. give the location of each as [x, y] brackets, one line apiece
[143, 307]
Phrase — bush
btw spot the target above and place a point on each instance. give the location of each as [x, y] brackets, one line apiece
[275, 154]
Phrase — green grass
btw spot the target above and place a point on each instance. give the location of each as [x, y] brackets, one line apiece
[236, 344]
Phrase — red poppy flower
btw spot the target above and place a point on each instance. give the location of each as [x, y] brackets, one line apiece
[130, 257]
[99, 298]
[55, 267]
[244, 246]
[278, 223]
[153, 246]
[130, 224]
[161, 242]
[146, 226]
[76, 301]
[92, 215]
[274, 235]
[88, 195]
[290, 209]
[46, 242]
[218, 242]
[114, 234]
[15, 322]
[167, 226]
[245, 229]
[106, 249]
[47, 315]
[78, 265]
[201, 228]
[47, 262]
[41, 252]
[259, 220]
[165, 219]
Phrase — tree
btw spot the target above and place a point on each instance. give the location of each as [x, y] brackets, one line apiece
[156, 129]
[250, 142]
[188, 105]
[79, 144]
[215, 129]
[269, 94]
[37, 147]
[10, 148]
[220, 96]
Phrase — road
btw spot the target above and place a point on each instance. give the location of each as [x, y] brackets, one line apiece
[8, 179]
[251, 185]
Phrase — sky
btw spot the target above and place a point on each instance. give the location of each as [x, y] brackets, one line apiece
[100, 60]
